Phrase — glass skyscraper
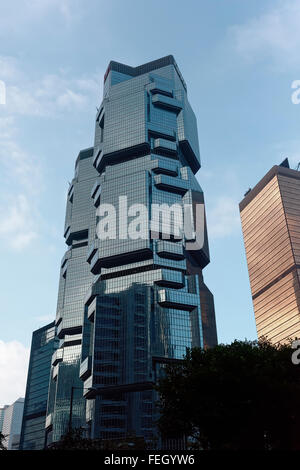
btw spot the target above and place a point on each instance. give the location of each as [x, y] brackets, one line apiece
[131, 294]
[43, 346]
[2, 413]
[12, 422]
[75, 280]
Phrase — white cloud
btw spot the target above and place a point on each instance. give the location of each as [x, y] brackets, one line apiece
[70, 99]
[17, 225]
[40, 8]
[21, 182]
[274, 35]
[6, 127]
[14, 358]
[18, 168]
[23, 101]
[48, 96]
[8, 68]
[92, 85]
[223, 218]
[30, 12]
[21, 173]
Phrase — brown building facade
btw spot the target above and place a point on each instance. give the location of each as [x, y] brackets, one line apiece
[270, 215]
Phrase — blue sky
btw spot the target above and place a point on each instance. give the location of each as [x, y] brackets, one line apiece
[239, 60]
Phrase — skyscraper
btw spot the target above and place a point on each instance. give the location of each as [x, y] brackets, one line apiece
[144, 307]
[131, 294]
[34, 417]
[75, 280]
[12, 423]
[2, 412]
[270, 214]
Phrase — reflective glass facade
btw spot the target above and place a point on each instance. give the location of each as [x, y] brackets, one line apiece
[75, 279]
[148, 301]
[34, 417]
[2, 411]
[126, 306]
[270, 216]
[12, 423]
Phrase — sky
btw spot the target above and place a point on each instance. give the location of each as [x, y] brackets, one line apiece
[239, 60]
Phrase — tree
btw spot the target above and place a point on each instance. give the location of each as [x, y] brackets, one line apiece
[239, 396]
[74, 440]
[2, 440]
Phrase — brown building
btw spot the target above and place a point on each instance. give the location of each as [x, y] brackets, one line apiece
[270, 214]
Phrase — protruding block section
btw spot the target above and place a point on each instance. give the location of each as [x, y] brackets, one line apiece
[188, 136]
[64, 271]
[79, 235]
[68, 327]
[85, 368]
[165, 147]
[165, 167]
[177, 299]
[57, 356]
[170, 278]
[65, 258]
[98, 156]
[94, 247]
[159, 131]
[55, 372]
[107, 260]
[71, 193]
[59, 315]
[95, 188]
[160, 88]
[125, 130]
[88, 390]
[168, 183]
[93, 291]
[67, 234]
[96, 193]
[64, 263]
[91, 310]
[93, 257]
[72, 339]
[170, 250]
[83, 154]
[48, 422]
[100, 115]
[167, 103]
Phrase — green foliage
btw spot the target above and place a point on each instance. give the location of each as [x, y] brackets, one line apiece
[130, 442]
[239, 396]
[74, 440]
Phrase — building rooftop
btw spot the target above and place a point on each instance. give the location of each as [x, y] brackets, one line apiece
[282, 169]
[144, 68]
[85, 153]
